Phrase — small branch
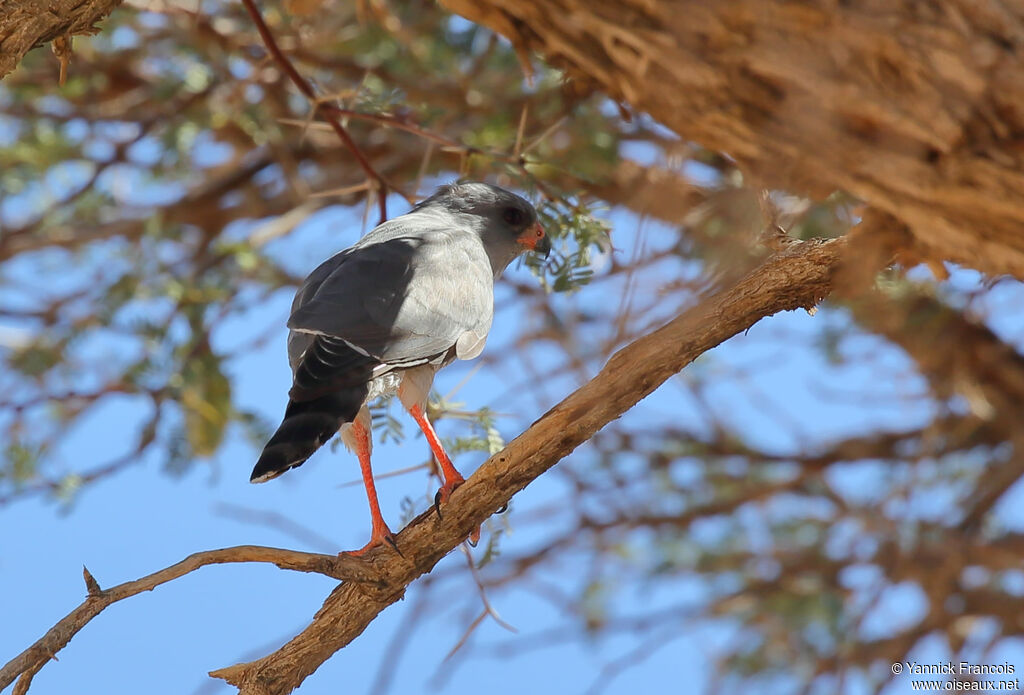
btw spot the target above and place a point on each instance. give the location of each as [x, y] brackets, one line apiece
[28, 663]
[647, 190]
[91, 585]
[797, 277]
[382, 186]
[465, 636]
[61, 47]
[488, 608]
[278, 522]
[22, 686]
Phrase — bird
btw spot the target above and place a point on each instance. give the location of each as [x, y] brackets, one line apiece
[380, 318]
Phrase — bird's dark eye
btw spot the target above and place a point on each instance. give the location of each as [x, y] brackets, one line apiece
[513, 216]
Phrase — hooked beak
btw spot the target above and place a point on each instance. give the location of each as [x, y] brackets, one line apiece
[536, 240]
[543, 246]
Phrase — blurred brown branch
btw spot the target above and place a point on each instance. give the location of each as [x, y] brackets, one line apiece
[960, 357]
[922, 122]
[381, 185]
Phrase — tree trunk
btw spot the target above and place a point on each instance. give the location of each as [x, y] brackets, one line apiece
[25, 24]
[915, 107]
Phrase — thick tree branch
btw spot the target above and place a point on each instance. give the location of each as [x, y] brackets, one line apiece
[916, 108]
[32, 659]
[25, 24]
[797, 277]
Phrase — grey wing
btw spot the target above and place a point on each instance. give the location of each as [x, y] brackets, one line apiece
[402, 300]
[299, 342]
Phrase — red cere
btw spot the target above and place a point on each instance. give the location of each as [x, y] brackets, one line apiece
[530, 241]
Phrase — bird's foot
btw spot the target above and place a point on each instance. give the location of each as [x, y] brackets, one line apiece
[446, 491]
[377, 538]
[442, 497]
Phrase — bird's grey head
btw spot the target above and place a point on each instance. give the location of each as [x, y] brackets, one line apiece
[506, 223]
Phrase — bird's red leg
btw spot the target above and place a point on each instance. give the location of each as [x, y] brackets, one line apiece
[381, 533]
[452, 478]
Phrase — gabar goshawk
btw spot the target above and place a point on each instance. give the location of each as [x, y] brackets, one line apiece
[381, 317]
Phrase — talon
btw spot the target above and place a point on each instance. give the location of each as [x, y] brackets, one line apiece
[437, 504]
[450, 485]
[502, 509]
[394, 544]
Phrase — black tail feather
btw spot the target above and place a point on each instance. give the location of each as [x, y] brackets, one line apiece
[329, 389]
[307, 426]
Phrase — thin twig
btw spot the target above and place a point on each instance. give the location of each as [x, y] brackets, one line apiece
[516, 160]
[381, 184]
[487, 611]
[278, 522]
[483, 594]
[22, 686]
[389, 474]
[520, 130]
[646, 649]
[465, 636]
[399, 641]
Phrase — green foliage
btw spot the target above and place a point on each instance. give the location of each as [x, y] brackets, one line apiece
[576, 233]
[35, 359]
[388, 426]
[205, 395]
[20, 462]
[483, 435]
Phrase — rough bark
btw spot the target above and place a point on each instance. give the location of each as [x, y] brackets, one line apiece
[915, 107]
[796, 277]
[25, 24]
